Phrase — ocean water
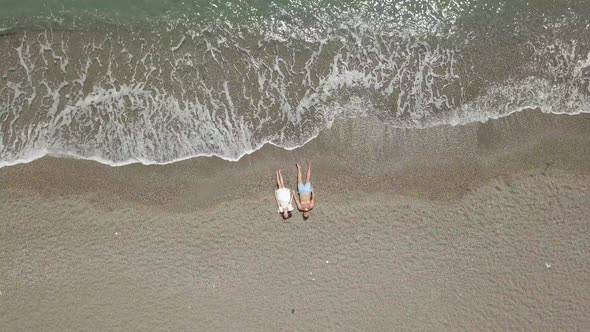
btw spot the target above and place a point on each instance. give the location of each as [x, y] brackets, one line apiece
[159, 81]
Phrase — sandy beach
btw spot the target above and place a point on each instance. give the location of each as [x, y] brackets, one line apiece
[477, 227]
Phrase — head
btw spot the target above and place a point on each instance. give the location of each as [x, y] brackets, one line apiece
[286, 214]
[305, 215]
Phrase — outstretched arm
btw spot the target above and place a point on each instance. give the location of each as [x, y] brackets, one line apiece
[299, 177]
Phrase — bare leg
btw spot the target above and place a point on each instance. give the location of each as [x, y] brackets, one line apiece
[278, 181]
[281, 178]
[308, 180]
[299, 177]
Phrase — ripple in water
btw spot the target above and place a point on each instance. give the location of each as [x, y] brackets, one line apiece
[162, 89]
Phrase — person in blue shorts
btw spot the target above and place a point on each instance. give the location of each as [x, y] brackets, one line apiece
[306, 200]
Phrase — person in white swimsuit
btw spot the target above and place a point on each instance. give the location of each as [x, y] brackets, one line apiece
[283, 197]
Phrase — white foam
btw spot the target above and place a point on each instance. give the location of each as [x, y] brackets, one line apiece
[501, 101]
[137, 99]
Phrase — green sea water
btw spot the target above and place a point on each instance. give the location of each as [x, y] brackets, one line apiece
[173, 8]
[133, 8]
[160, 81]
[242, 8]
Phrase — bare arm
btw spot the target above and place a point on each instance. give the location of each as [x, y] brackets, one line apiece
[277, 201]
[296, 200]
[312, 201]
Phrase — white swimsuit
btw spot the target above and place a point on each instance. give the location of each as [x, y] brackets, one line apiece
[283, 196]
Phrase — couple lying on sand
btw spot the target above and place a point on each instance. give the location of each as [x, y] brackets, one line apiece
[306, 199]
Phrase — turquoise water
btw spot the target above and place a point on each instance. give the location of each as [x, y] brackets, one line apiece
[160, 81]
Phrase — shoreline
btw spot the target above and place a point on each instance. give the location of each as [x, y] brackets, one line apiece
[46, 154]
[483, 226]
[436, 163]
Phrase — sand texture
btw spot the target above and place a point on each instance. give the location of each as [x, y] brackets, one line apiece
[476, 227]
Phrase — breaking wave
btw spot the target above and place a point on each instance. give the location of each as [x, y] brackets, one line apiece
[165, 89]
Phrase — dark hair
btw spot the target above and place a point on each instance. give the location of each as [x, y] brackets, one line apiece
[308, 215]
[289, 215]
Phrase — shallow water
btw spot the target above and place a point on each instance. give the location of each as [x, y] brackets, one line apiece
[157, 82]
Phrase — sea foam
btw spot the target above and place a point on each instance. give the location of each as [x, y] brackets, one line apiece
[161, 92]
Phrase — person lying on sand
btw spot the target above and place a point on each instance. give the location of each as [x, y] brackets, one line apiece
[306, 200]
[283, 197]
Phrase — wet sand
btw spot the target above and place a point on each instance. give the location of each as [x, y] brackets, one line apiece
[476, 227]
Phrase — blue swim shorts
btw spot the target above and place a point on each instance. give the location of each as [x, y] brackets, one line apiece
[304, 188]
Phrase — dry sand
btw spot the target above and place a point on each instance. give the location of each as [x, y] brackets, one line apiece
[477, 227]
